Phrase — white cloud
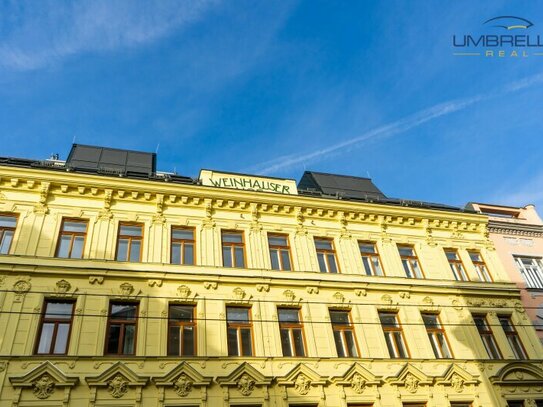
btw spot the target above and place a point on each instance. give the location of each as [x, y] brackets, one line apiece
[43, 33]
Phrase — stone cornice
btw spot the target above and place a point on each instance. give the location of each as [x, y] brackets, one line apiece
[511, 228]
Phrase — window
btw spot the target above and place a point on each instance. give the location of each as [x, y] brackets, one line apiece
[456, 265]
[410, 262]
[531, 269]
[291, 329]
[436, 334]
[279, 252]
[121, 330]
[370, 259]
[343, 333]
[239, 331]
[72, 238]
[480, 267]
[56, 323]
[512, 337]
[181, 331]
[393, 335]
[413, 404]
[182, 246]
[326, 255]
[7, 230]
[233, 249]
[487, 337]
[129, 242]
[461, 404]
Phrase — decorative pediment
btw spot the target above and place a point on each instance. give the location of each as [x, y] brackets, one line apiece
[118, 378]
[518, 373]
[411, 378]
[183, 378]
[358, 378]
[245, 378]
[43, 380]
[457, 378]
[302, 378]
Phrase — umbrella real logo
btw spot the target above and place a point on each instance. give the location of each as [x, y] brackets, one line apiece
[502, 37]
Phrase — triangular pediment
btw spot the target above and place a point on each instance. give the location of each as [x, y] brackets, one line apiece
[455, 374]
[46, 370]
[114, 372]
[409, 373]
[183, 368]
[358, 373]
[301, 369]
[244, 369]
[519, 373]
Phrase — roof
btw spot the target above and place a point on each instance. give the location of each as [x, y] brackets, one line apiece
[344, 186]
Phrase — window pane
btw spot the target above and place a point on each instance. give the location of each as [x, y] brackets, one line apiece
[443, 345]
[173, 340]
[388, 320]
[122, 250]
[390, 345]
[298, 342]
[332, 263]
[288, 315]
[184, 234]
[46, 338]
[367, 247]
[406, 251]
[135, 251]
[189, 254]
[274, 256]
[350, 344]
[277, 240]
[8, 221]
[399, 343]
[64, 246]
[188, 341]
[77, 248]
[126, 230]
[240, 261]
[80, 227]
[227, 257]
[123, 311]
[61, 339]
[430, 320]
[235, 314]
[113, 339]
[474, 256]
[232, 342]
[451, 255]
[58, 310]
[176, 253]
[181, 313]
[339, 317]
[246, 342]
[5, 244]
[323, 244]
[407, 269]
[377, 266]
[339, 344]
[129, 339]
[285, 342]
[322, 263]
[228, 237]
[285, 259]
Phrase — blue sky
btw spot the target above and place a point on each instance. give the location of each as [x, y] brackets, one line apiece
[276, 87]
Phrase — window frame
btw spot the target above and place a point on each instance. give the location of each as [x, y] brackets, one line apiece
[182, 242]
[130, 238]
[232, 246]
[531, 280]
[342, 328]
[375, 254]
[410, 258]
[488, 333]
[435, 332]
[325, 253]
[399, 328]
[515, 335]
[122, 322]
[239, 326]
[290, 326]
[280, 249]
[478, 264]
[56, 322]
[73, 235]
[3, 229]
[181, 325]
[453, 264]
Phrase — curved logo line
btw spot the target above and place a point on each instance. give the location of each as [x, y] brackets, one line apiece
[514, 23]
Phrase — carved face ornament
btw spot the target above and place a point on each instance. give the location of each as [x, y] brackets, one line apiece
[246, 384]
[358, 383]
[183, 385]
[302, 384]
[43, 387]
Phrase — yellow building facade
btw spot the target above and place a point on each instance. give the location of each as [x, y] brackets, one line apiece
[275, 299]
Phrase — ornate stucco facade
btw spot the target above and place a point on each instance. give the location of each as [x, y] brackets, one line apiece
[31, 273]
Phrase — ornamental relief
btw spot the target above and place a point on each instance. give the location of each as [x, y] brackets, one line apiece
[411, 383]
[457, 383]
[183, 385]
[118, 386]
[44, 386]
[246, 384]
[302, 384]
[358, 384]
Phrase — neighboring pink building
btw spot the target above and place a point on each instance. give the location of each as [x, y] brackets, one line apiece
[517, 234]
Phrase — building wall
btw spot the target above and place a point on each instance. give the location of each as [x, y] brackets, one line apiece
[31, 273]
